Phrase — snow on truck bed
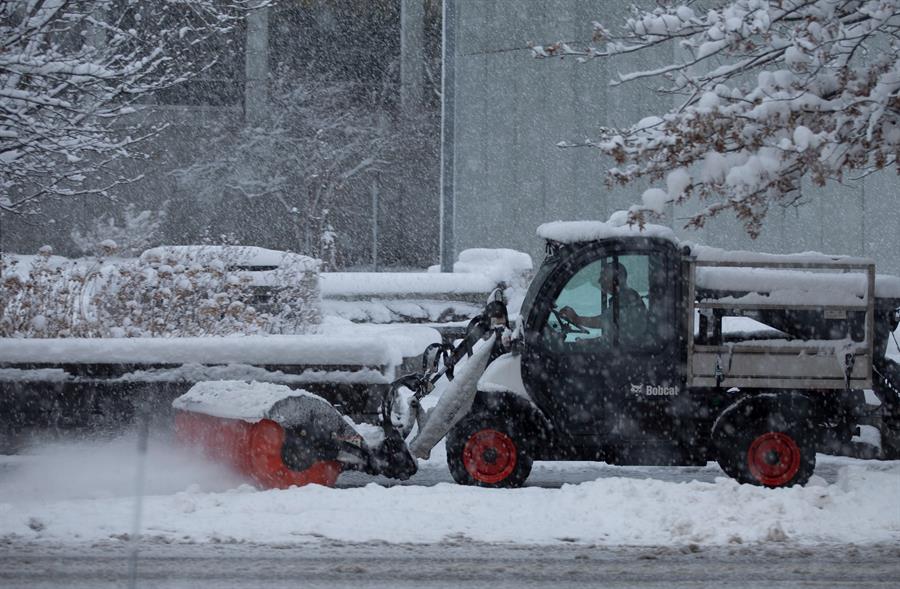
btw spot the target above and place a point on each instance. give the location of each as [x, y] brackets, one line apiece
[340, 345]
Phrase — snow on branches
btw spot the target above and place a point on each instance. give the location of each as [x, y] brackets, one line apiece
[768, 92]
[71, 73]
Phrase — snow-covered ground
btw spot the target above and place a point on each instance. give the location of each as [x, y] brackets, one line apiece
[77, 493]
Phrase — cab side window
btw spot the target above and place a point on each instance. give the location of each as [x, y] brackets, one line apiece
[616, 297]
[581, 293]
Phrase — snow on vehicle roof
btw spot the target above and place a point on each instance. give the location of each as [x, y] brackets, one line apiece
[580, 231]
[241, 255]
[343, 345]
[237, 399]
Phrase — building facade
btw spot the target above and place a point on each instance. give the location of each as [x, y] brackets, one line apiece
[512, 110]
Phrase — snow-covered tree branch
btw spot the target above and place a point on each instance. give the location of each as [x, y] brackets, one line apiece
[71, 74]
[768, 92]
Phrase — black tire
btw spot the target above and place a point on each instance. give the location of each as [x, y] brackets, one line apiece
[771, 444]
[488, 451]
[890, 439]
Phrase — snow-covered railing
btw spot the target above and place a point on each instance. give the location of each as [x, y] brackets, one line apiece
[75, 381]
[339, 347]
[427, 297]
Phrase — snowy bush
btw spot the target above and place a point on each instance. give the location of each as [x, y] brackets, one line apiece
[158, 295]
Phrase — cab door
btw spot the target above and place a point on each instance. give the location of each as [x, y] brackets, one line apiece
[609, 384]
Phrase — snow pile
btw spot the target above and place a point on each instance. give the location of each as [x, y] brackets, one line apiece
[478, 271]
[508, 266]
[860, 508]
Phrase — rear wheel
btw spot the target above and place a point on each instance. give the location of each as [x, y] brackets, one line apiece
[770, 446]
[487, 452]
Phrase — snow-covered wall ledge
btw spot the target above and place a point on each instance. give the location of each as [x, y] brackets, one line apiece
[343, 345]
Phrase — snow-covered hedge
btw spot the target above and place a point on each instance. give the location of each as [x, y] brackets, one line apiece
[164, 294]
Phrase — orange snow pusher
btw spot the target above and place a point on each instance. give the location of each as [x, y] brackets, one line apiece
[281, 437]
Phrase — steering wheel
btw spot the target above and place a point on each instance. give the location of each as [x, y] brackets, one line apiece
[568, 326]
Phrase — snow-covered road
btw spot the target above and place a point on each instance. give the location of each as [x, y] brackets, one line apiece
[448, 564]
[83, 493]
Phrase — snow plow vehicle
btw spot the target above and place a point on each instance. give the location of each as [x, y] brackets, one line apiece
[631, 348]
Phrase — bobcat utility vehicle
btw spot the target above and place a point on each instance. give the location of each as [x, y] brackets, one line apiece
[752, 360]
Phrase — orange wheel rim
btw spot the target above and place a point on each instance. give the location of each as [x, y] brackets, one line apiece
[489, 456]
[774, 459]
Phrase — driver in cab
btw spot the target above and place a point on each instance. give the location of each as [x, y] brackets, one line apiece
[614, 285]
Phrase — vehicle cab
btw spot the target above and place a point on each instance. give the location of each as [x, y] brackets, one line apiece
[613, 378]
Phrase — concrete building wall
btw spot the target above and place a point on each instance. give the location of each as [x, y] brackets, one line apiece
[512, 110]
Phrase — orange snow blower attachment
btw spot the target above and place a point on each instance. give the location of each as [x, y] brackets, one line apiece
[276, 436]
[281, 437]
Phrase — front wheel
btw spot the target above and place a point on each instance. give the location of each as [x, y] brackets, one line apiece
[488, 452]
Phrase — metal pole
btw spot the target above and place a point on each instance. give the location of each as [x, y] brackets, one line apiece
[448, 111]
[256, 65]
[375, 225]
[412, 34]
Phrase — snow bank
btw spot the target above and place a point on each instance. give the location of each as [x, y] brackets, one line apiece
[860, 508]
